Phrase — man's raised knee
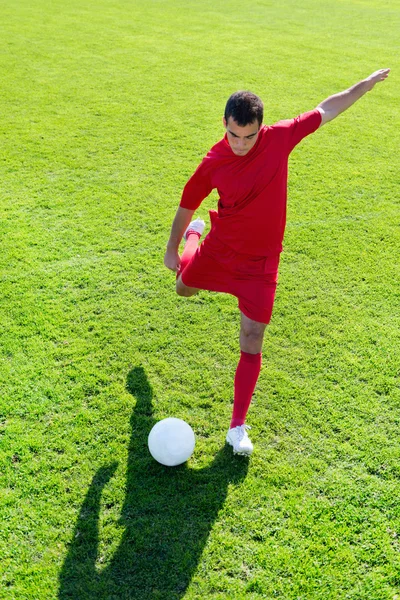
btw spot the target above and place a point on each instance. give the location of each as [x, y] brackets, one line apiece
[184, 290]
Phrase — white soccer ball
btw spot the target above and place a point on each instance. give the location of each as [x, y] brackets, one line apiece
[171, 442]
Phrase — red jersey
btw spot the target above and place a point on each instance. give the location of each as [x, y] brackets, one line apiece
[252, 188]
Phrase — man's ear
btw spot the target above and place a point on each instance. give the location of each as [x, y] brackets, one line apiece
[224, 122]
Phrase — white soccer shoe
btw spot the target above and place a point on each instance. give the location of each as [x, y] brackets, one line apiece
[238, 438]
[197, 226]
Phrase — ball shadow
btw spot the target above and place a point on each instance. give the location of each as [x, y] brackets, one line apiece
[167, 516]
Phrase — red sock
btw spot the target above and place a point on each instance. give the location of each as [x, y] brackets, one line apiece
[246, 376]
[191, 245]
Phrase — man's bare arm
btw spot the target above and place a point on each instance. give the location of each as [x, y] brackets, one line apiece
[334, 105]
[180, 224]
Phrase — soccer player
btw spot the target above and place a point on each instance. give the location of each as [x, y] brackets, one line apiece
[240, 254]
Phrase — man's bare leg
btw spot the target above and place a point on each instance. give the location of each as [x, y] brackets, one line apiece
[251, 335]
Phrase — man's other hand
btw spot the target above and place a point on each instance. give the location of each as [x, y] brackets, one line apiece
[172, 260]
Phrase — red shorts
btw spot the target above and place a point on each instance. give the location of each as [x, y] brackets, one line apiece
[252, 279]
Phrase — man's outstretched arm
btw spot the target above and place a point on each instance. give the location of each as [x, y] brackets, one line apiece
[334, 105]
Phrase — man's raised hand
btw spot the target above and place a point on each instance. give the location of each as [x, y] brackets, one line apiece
[376, 77]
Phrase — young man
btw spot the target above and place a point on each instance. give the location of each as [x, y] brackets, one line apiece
[240, 255]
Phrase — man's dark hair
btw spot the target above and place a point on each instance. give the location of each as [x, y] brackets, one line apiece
[244, 108]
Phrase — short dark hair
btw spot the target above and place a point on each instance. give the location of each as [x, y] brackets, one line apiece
[244, 108]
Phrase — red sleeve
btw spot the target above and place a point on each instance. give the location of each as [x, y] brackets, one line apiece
[197, 188]
[302, 126]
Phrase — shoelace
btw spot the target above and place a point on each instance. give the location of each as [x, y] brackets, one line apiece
[242, 431]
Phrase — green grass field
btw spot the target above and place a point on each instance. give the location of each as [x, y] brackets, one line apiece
[106, 108]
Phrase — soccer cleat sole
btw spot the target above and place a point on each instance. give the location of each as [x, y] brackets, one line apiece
[243, 452]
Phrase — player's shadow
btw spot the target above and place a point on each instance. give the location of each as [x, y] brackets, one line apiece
[167, 517]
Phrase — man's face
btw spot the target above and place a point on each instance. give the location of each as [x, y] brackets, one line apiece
[241, 139]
